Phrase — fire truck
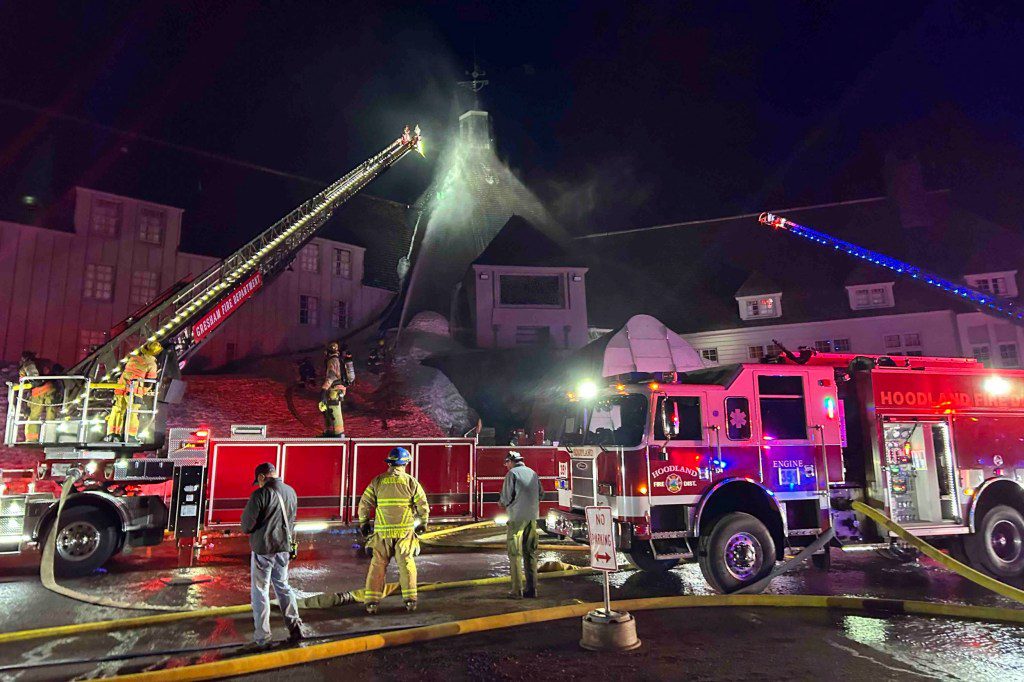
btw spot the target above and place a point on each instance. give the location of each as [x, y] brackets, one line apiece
[734, 465]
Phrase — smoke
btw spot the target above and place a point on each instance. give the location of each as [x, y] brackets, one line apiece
[603, 196]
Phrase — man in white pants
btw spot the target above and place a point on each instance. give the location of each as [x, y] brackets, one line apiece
[269, 521]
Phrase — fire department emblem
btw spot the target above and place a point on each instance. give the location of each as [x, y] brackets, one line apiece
[674, 483]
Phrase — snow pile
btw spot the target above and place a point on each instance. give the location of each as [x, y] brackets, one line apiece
[427, 387]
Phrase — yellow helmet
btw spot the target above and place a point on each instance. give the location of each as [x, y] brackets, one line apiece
[153, 348]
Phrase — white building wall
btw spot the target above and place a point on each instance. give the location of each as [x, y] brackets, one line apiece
[938, 335]
[995, 342]
[43, 306]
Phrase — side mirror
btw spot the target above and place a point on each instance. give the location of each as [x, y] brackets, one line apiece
[669, 425]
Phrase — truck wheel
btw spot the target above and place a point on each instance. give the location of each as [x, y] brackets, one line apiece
[642, 555]
[738, 551]
[997, 544]
[86, 539]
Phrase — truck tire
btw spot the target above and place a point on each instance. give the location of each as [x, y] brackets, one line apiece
[86, 539]
[737, 551]
[996, 546]
[642, 555]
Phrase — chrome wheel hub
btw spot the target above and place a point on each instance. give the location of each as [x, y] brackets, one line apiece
[1006, 541]
[743, 556]
[78, 541]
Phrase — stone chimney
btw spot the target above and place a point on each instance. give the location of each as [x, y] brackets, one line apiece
[905, 186]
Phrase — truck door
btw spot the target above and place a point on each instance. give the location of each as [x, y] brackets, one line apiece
[792, 460]
[681, 461]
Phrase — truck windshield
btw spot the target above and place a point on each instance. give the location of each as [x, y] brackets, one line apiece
[616, 420]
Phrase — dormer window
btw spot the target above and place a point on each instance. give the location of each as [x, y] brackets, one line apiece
[868, 296]
[760, 307]
[1001, 284]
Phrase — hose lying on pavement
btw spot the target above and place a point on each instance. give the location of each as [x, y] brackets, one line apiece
[947, 561]
[318, 652]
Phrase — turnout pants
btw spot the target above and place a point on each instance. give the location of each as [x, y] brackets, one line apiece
[267, 569]
[39, 404]
[334, 423]
[115, 420]
[404, 550]
[522, 555]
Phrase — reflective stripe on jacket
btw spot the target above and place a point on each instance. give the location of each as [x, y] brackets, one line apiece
[398, 499]
[138, 367]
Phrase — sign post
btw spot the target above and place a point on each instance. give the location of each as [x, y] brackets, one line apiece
[606, 630]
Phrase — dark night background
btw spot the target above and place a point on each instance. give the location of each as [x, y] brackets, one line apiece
[617, 114]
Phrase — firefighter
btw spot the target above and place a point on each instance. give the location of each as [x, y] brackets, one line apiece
[520, 497]
[41, 397]
[332, 390]
[141, 365]
[400, 502]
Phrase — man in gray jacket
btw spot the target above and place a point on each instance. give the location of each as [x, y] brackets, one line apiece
[269, 521]
[520, 497]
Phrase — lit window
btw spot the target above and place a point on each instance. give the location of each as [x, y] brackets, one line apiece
[308, 308]
[841, 345]
[151, 226]
[823, 346]
[755, 352]
[981, 354]
[99, 282]
[339, 316]
[761, 307]
[876, 296]
[144, 287]
[88, 339]
[892, 341]
[1008, 355]
[309, 258]
[106, 218]
[343, 263]
[709, 354]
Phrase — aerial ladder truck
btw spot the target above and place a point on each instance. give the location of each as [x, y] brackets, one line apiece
[106, 509]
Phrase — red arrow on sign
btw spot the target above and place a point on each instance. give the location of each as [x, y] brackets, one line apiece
[602, 557]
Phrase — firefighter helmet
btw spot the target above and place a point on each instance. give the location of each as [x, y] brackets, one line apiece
[332, 347]
[398, 457]
[153, 348]
[513, 456]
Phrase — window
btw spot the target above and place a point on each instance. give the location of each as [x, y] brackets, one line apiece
[995, 285]
[841, 345]
[533, 336]
[99, 282]
[981, 354]
[342, 263]
[678, 419]
[761, 307]
[90, 338]
[531, 290]
[737, 412]
[781, 399]
[772, 349]
[823, 346]
[873, 296]
[144, 287]
[892, 341]
[151, 226]
[709, 354]
[755, 352]
[308, 309]
[1001, 284]
[106, 218]
[339, 315]
[309, 258]
[1008, 355]
[911, 339]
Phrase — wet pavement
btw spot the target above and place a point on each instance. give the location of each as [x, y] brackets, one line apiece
[695, 643]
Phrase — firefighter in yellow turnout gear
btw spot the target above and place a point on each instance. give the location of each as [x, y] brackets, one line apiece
[332, 391]
[399, 499]
[41, 395]
[141, 365]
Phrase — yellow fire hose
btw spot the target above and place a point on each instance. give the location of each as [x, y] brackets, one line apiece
[947, 561]
[431, 540]
[345, 647]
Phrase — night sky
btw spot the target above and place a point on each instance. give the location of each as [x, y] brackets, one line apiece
[616, 114]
